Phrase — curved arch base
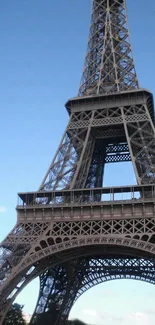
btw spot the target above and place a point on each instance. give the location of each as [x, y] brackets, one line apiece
[61, 286]
[58, 289]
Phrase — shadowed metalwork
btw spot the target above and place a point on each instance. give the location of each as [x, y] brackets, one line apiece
[74, 233]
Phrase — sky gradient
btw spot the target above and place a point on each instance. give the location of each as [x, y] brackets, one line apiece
[43, 44]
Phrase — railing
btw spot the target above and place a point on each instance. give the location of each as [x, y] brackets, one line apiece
[86, 196]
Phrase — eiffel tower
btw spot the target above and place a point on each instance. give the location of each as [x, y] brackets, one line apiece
[74, 233]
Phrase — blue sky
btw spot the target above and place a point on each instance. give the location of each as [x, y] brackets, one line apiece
[43, 44]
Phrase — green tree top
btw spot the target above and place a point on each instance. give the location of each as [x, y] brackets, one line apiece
[14, 316]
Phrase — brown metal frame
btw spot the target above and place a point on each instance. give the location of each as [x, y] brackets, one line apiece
[73, 232]
[109, 66]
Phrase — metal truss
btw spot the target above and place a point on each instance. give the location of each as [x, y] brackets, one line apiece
[105, 269]
[49, 235]
[63, 229]
[84, 151]
[109, 65]
[58, 244]
[82, 274]
[58, 288]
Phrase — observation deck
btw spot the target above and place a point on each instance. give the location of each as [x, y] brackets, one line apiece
[125, 202]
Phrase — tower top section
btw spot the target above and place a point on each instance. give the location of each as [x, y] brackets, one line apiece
[109, 65]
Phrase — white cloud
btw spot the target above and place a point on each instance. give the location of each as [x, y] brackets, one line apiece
[138, 318]
[100, 318]
[137, 315]
[89, 312]
[96, 317]
[3, 209]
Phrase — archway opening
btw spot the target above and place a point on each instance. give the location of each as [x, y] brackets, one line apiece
[28, 298]
[99, 269]
[125, 302]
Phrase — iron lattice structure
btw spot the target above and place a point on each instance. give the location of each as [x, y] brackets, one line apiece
[74, 233]
[109, 66]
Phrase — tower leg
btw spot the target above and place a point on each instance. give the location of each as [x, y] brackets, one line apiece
[58, 289]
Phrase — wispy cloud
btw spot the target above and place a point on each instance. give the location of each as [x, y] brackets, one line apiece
[150, 311]
[138, 318]
[89, 312]
[135, 318]
[100, 318]
[2, 209]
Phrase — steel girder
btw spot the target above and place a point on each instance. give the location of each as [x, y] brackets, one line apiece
[109, 65]
[83, 152]
[58, 289]
[82, 274]
[50, 242]
[111, 120]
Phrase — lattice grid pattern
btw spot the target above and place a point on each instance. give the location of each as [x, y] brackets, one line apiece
[109, 65]
[56, 237]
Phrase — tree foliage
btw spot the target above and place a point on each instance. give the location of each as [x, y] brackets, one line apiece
[75, 322]
[49, 318]
[14, 316]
